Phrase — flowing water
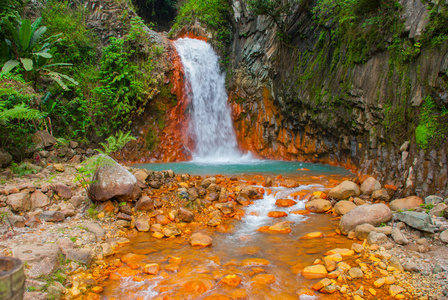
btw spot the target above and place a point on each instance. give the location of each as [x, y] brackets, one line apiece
[210, 124]
[267, 263]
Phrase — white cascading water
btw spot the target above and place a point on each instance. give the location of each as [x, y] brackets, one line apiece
[211, 123]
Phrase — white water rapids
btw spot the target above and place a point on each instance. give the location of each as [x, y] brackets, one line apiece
[210, 123]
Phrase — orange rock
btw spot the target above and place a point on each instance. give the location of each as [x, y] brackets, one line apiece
[152, 269]
[162, 220]
[312, 235]
[303, 169]
[314, 271]
[133, 258]
[300, 212]
[133, 265]
[320, 194]
[126, 272]
[171, 267]
[289, 184]
[238, 293]
[92, 296]
[175, 260]
[391, 187]
[254, 262]
[97, 289]
[281, 227]
[197, 286]
[298, 194]
[200, 240]
[232, 280]
[297, 268]
[217, 297]
[263, 279]
[114, 276]
[285, 202]
[277, 214]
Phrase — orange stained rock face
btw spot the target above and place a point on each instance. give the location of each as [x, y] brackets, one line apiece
[300, 212]
[263, 279]
[232, 280]
[277, 214]
[285, 202]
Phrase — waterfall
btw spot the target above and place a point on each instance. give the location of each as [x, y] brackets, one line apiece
[210, 122]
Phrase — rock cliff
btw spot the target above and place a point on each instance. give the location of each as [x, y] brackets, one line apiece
[354, 102]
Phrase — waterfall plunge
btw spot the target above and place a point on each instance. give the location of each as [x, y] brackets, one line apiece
[210, 123]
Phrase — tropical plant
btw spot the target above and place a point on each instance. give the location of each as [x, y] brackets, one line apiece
[28, 49]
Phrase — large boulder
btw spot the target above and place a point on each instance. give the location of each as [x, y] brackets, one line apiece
[112, 181]
[19, 201]
[344, 190]
[5, 158]
[42, 139]
[417, 220]
[318, 205]
[343, 207]
[406, 203]
[372, 214]
[369, 186]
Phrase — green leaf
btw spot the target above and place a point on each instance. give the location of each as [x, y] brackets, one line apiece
[69, 79]
[27, 63]
[44, 54]
[25, 34]
[9, 65]
[58, 65]
[11, 28]
[35, 25]
[37, 36]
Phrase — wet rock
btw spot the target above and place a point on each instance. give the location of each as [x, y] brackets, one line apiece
[63, 191]
[225, 208]
[318, 205]
[369, 186]
[394, 290]
[161, 219]
[52, 216]
[343, 207]
[277, 214]
[19, 201]
[207, 181]
[39, 199]
[381, 195]
[144, 204]
[45, 267]
[250, 192]
[376, 238]
[355, 273]
[263, 279]
[171, 230]
[406, 203]
[420, 221]
[344, 190]
[434, 200]
[252, 262]
[315, 271]
[185, 215]
[142, 223]
[374, 214]
[281, 227]
[112, 181]
[200, 240]
[214, 222]
[151, 269]
[285, 202]
[231, 280]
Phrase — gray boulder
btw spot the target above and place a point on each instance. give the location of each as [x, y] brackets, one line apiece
[5, 158]
[344, 190]
[42, 139]
[377, 238]
[369, 186]
[434, 200]
[372, 214]
[112, 181]
[399, 237]
[417, 220]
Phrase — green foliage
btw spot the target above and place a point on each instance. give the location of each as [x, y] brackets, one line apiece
[116, 143]
[92, 212]
[432, 125]
[215, 15]
[26, 48]
[11, 8]
[436, 32]
[23, 169]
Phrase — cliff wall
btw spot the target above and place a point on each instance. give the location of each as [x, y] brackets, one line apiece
[373, 98]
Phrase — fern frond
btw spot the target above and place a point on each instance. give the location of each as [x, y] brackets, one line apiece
[21, 112]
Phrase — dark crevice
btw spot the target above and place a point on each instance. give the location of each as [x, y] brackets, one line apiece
[159, 12]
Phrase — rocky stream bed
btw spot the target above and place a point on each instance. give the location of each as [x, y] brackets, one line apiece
[396, 248]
